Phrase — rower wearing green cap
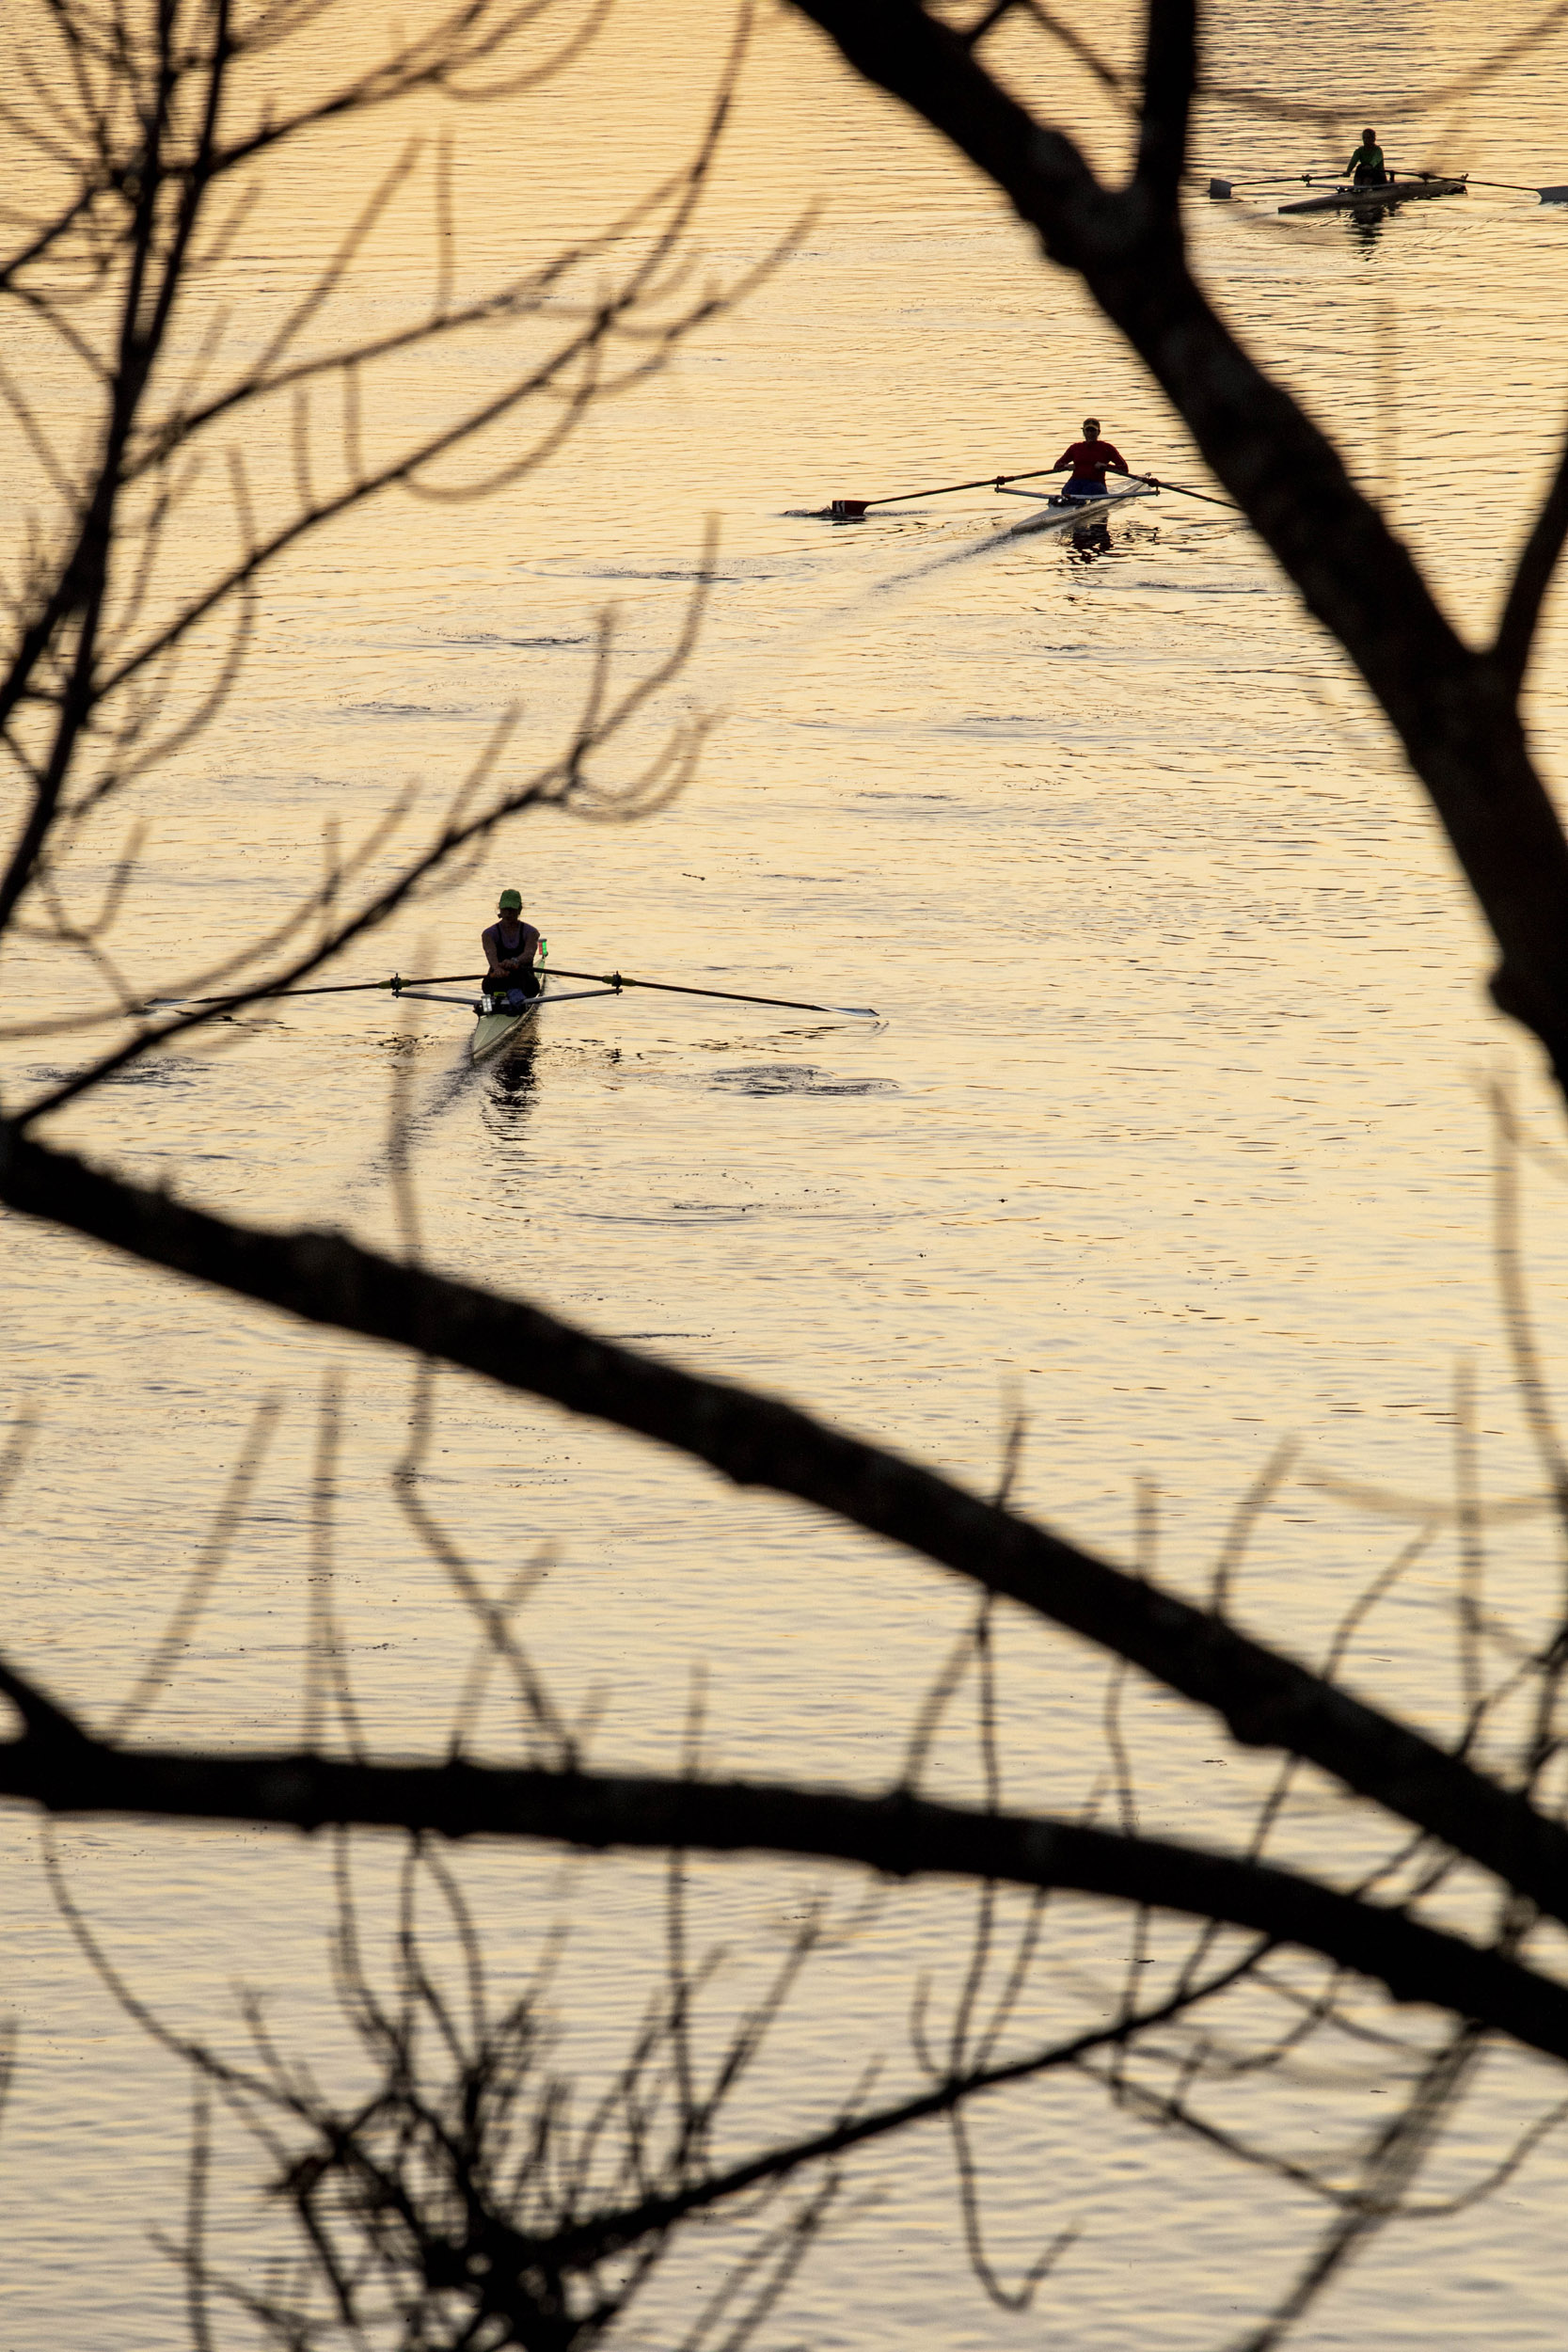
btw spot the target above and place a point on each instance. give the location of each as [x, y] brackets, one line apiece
[509, 947]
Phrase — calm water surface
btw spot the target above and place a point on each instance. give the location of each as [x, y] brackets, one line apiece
[1171, 1128]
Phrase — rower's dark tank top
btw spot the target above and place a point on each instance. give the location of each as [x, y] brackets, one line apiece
[495, 948]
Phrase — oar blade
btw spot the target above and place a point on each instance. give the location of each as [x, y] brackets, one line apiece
[1553, 196]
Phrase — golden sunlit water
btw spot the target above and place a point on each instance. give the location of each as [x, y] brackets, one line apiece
[1171, 1131]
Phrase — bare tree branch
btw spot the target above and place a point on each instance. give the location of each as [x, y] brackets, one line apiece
[1265, 1699]
[1170, 80]
[902, 1836]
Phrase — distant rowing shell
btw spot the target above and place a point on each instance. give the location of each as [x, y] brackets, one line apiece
[1367, 200]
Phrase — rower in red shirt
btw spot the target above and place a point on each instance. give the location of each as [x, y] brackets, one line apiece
[1087, 462]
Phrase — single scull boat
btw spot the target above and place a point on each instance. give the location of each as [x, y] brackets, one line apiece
[1065, 514]
[1347, 196]
[1369, 198]
[496, 1022]
[494, 1029]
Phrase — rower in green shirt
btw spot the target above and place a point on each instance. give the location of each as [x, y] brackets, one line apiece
[1365, 165]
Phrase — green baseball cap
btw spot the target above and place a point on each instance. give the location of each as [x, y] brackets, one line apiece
[511, 902]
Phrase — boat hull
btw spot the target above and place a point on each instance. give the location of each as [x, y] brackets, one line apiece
[494, 1031]
[1059, 514]
[1376, 199]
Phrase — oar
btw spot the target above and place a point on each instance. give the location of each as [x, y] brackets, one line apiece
[1279, 180]
[847, 510]
[617, 981]
[1516, 187]
[1310, 179]
[340, 988]
[1159, 482]
[612, 982]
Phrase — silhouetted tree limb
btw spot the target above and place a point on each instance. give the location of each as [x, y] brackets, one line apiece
[902, 1836]
[482, 2193]
[1170, 82]
[757, 1440]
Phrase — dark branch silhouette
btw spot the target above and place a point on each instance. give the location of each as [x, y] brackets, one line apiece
[902, 1836]
[1266, 1700]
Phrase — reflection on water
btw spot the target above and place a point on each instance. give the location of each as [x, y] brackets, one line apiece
[511, 1082]
[784, 1077]
[1366, 229]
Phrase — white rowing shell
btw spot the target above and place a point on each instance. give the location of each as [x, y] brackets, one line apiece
[1069, 514]
[493, 1030]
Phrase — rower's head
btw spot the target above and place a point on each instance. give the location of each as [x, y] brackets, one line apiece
[1091, 428]
[511, 902]
[1369, 138]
